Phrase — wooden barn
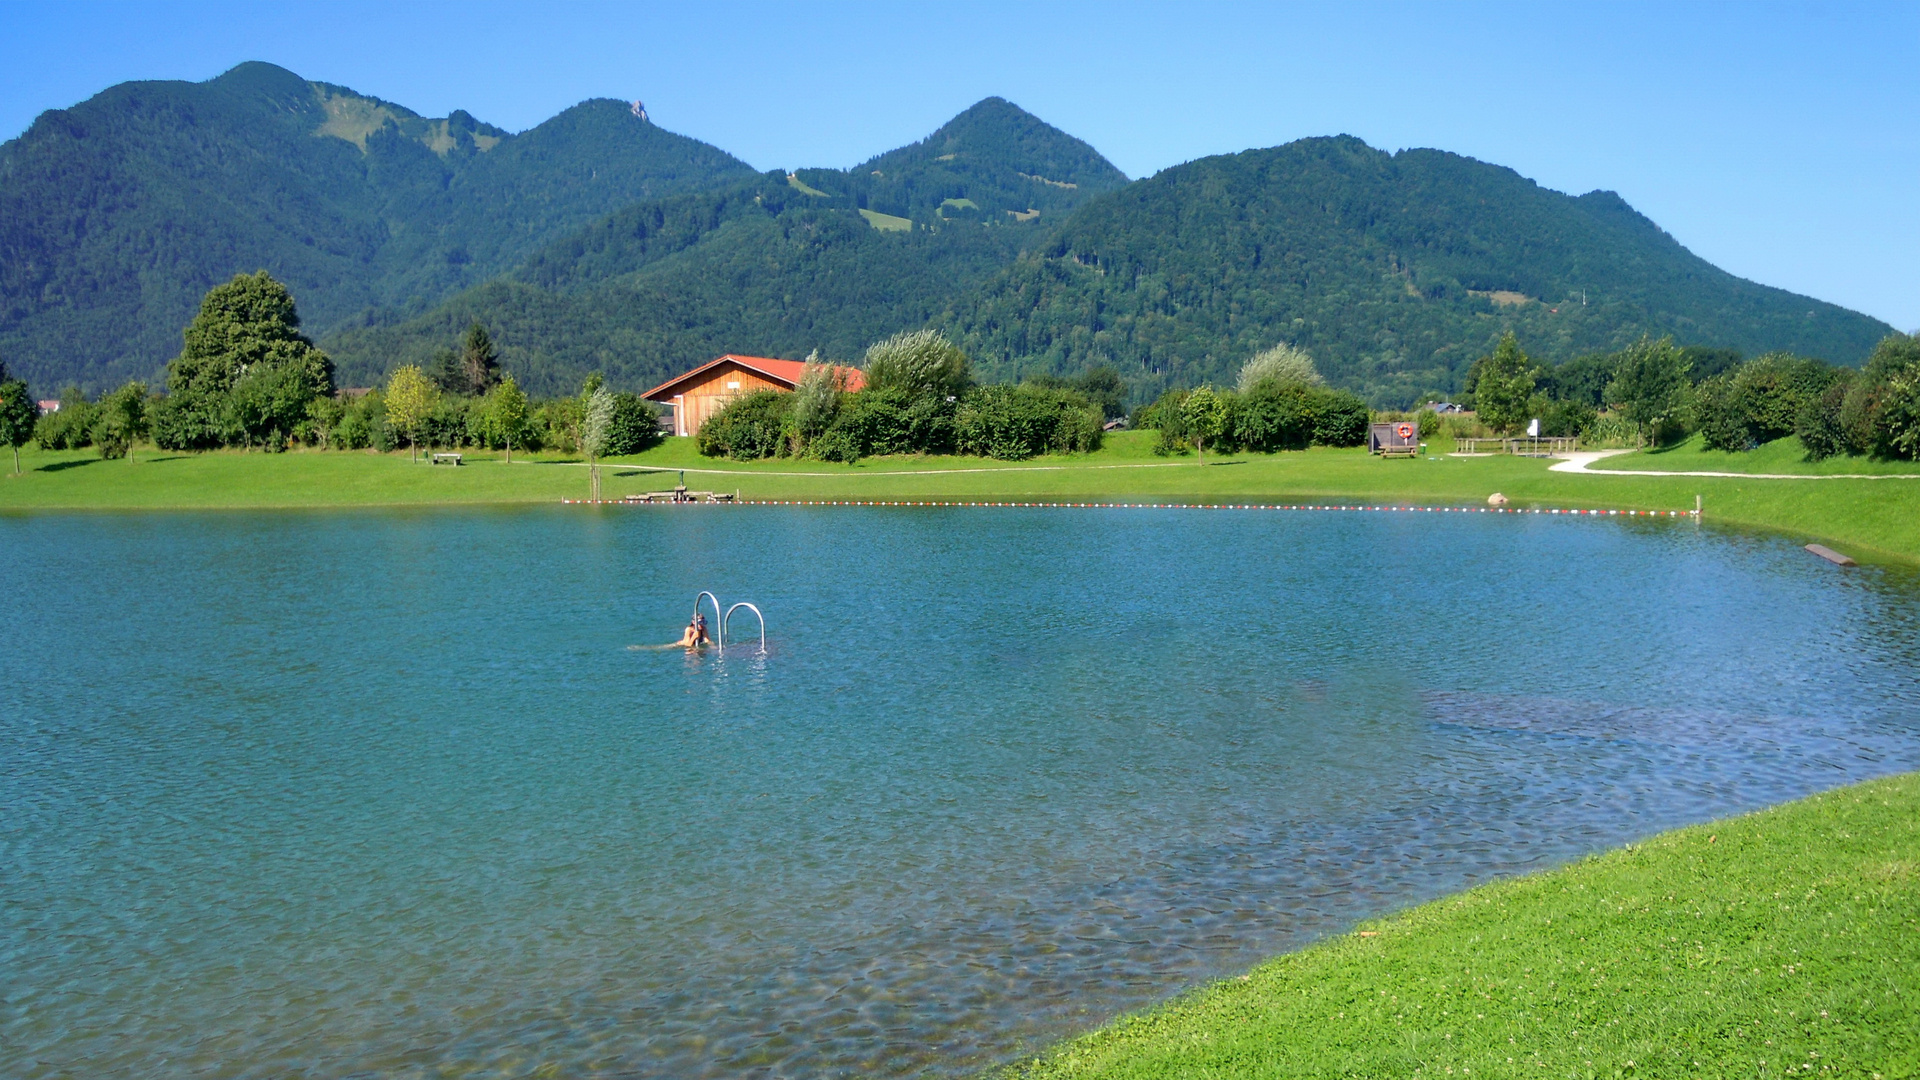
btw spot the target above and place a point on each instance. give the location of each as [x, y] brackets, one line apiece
[698, 394]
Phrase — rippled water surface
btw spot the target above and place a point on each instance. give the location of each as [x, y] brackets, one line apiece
[336, 795]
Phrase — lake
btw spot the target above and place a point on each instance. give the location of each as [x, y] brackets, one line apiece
[389, 793]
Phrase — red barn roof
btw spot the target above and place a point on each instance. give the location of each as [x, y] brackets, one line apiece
[786, 372]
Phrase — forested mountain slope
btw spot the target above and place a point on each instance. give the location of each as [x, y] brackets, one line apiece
[778, 266]
[1394, 270]
[116, 215]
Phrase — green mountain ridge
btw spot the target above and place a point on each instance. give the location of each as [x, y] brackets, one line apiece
[599, 242]
[779, 266]
[1395, 270]
[116, 215]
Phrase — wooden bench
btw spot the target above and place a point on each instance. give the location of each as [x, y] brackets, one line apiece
[446, 459]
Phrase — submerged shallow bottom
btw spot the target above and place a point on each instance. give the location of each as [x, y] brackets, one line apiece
[389, 793]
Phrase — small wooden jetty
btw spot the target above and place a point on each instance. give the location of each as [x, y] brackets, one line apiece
[680, 494]
[1831, 555]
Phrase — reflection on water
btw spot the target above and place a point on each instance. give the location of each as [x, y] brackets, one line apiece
[344, 794]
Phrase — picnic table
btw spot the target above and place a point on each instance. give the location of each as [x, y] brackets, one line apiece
[446, 459]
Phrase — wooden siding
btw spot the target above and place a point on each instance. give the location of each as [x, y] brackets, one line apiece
[699, 400]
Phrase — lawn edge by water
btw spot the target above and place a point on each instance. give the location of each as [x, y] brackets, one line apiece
[1748, 946]
[1873, 520]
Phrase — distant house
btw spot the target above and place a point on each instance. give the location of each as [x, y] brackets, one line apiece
[698, 394]
[49, 406]
[1445, 407]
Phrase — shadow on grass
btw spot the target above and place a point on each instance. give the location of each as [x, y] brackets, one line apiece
[62, 466]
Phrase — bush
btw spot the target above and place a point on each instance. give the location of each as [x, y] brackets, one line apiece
[1016, 422]
[1820, 425]
[1759, 401]
[71, 428]
[1564, 419]
[447, 425]
[747, 428]
[922, 364]
[1341, 419]
[891, 420]
[1723, 423]
[1273, 416]
[635, 426]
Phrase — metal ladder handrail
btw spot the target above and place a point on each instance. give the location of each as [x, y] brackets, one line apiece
[718, 621]
[756, 614]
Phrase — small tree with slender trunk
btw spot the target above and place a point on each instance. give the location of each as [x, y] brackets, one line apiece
[595, 423]
[509, 412]
[1206, 415]
[410, 400]
[18, 415]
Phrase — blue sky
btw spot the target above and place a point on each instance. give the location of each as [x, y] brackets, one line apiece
[1781, 142]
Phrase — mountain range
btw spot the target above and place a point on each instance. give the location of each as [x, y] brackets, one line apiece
[598, 241]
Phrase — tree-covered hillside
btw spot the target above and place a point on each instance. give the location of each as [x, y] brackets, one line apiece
[598, 241]
[993, 163]
[116, 215]
[761, 269]
[1394, 270]
[777, 266]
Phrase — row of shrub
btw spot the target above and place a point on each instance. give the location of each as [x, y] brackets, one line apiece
[919, 398]
[357, 422]
[1661, 393]
[1281, 403]
[1836, 411]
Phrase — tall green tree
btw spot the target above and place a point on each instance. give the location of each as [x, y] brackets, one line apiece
[18, 415]
[507, 409]
[410, 400]
[1503, 386]
[479, 360]
[245, 373]
[121, 420]
[1205, 412]
[1650, 386]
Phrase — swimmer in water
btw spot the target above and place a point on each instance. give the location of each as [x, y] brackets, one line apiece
[700, 628]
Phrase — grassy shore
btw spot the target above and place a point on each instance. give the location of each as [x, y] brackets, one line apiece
[1866, 518]
[1787, 456]
[1783, 942]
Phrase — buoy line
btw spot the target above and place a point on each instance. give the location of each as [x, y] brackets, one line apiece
[1571, 512]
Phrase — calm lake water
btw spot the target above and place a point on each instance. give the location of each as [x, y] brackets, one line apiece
[387, 794]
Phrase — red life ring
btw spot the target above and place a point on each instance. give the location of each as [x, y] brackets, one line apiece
[1405, 431]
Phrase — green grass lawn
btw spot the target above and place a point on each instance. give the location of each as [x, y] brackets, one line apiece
[1786, 455]
[1870, 519]
[1784, 942]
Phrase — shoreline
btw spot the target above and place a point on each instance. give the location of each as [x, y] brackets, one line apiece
[1749, 945]
[1875, 522]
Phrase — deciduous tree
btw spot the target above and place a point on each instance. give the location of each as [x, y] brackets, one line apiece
[18, 415]
[410, 400]
[1206, 415]
[245, 372]
[121, 421]
[1650, 386]
[1503, 386]
[507, 409]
